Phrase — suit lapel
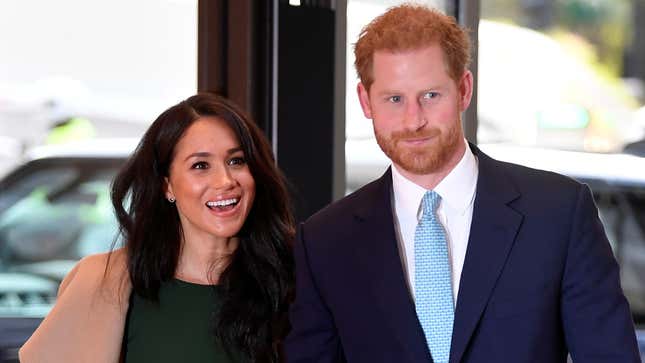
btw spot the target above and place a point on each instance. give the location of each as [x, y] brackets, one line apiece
[492, 234]
[377, 252]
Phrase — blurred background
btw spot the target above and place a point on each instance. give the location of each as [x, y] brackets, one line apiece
[560, 86]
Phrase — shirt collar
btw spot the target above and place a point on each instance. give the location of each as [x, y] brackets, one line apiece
[457, 189]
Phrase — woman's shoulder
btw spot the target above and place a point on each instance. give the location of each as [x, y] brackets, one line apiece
[114, 258]
[107, 269]
[86, 323]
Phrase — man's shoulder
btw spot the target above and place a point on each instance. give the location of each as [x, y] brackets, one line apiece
[350, 206]
[528, 179]
[528, 168]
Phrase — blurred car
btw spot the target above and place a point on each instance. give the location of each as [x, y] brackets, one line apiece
[635, 148]
[569, 104]
[10, 150]
[54, 209]
[616, 180]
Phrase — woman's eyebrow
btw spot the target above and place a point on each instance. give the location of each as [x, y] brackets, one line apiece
[199, 154]
[234, 150]
[206, 154]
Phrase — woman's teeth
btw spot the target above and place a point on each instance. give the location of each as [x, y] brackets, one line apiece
[222, 203]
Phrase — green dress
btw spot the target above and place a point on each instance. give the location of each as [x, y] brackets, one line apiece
[177, 329]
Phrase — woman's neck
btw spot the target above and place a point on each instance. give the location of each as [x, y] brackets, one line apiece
[203, 261]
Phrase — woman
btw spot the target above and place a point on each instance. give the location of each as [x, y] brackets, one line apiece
[206, 273]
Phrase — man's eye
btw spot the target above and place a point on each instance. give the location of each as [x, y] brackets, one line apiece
[237, 161]
[200, 165]
[430, 95]
[394, 99]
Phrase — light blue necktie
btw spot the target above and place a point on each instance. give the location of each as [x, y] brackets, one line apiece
[432, 281]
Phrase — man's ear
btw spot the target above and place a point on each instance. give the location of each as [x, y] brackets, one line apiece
[465, 90]
[364, 98]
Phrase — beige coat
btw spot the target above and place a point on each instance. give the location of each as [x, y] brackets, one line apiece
[88, 319]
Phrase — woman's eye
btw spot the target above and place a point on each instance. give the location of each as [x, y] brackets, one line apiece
[200, 165]
[237, 161]
[394, 99]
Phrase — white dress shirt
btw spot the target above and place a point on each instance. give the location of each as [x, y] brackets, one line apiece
[455, 212]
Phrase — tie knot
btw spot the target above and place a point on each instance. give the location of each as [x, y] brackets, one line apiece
[430, 204]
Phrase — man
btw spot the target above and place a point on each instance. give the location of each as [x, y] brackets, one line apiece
[450, 256]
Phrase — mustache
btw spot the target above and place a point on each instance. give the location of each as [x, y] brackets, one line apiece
[415, 134]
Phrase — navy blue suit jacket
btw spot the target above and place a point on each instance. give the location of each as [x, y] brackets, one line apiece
[539, 279]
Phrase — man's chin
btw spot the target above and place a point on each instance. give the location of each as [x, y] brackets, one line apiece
[421, 169]
[419, 164]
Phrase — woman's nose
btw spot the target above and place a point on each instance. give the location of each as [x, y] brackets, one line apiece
[222, 179]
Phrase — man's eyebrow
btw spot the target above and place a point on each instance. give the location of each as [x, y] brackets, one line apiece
[388, 92]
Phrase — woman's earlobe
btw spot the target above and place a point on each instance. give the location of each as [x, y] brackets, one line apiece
[167, 188]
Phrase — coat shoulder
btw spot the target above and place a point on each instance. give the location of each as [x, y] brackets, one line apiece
[104, 271]
[87, 321]
[530, 180]
[347, 208]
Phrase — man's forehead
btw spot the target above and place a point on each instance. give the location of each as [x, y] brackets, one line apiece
[433, 47]
[399, 60]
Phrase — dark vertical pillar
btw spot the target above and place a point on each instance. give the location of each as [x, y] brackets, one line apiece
[339, 182]
[467, 13]
[235, 54]
[211, 46]
[306, 103]
[241, 53]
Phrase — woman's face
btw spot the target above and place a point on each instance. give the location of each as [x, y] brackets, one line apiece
[210, 180]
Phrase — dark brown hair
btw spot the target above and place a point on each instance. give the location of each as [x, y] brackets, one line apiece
[258, 282]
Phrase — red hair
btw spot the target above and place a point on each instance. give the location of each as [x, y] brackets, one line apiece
[409, 27]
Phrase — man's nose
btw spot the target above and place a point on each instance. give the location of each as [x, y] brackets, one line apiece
[414, 118]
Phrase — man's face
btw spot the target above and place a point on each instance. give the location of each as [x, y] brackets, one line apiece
[415, 107]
